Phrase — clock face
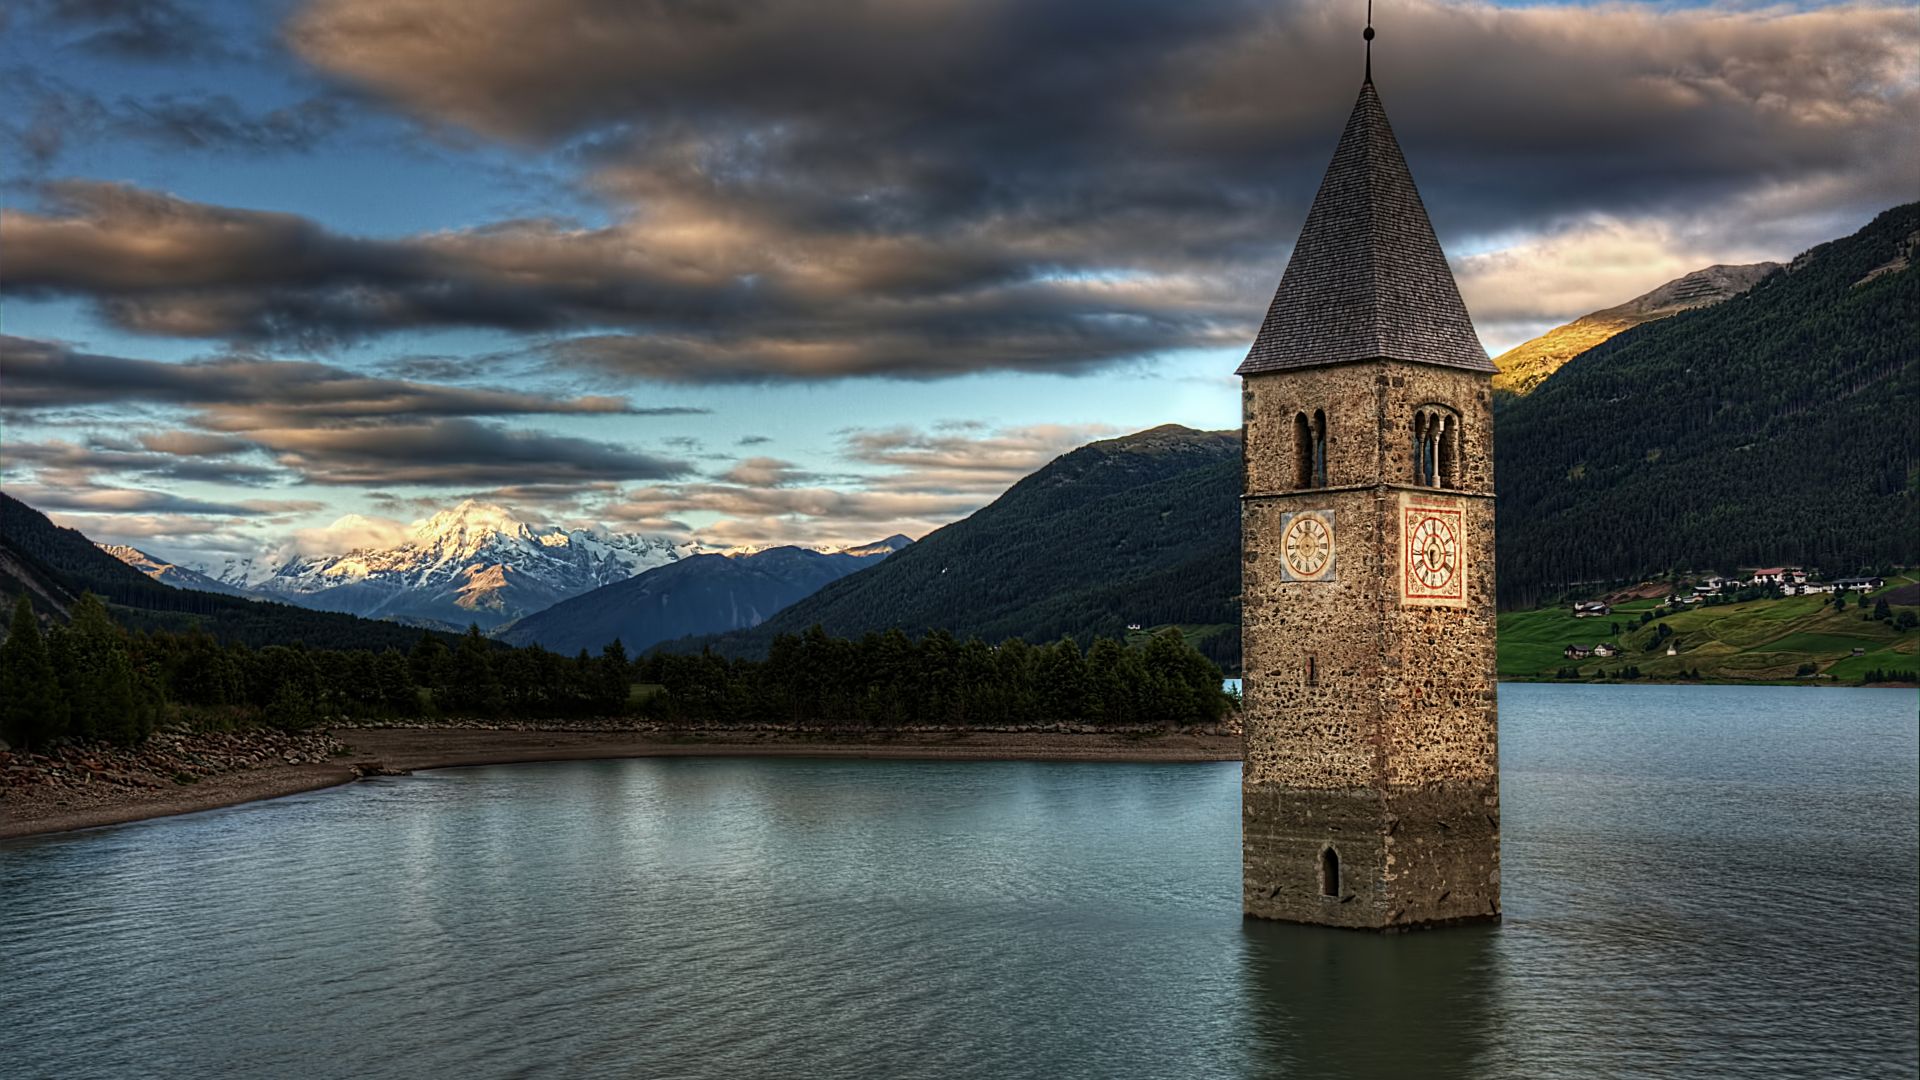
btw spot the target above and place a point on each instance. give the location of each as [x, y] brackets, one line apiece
[1306, 546]
[1436, 552]
[1433, 554]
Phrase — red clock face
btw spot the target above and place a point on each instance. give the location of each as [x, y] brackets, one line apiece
[1435, 551]
[1433, 557]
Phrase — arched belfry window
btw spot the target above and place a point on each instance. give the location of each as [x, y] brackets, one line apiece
[1329, 871]
[1436, 447]
[1319, 448]
[1302, 451]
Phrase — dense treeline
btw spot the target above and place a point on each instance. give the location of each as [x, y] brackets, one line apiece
[1782, 426]
[92, 678]
[890, 679]
[63, 563]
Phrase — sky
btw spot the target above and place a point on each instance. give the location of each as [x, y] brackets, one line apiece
[806, 271]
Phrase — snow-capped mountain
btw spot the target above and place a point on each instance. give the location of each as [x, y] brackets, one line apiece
[166, 573]
[475, 563]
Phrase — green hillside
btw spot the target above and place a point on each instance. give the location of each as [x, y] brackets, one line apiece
[1138, 530]
[1782, 426]
[52, 565]
[1791, 639]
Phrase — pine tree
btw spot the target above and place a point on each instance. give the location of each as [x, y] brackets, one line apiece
[96, 674]
[615, 678]
[29, 708]
[395, 680]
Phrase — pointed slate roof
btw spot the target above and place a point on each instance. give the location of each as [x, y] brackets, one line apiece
[1367, 279]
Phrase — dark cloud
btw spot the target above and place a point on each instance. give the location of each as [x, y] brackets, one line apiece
[752, 440]
[457, 452]
[1191, 128]
[185, 457]
[241, 394]
[97, 499]
[257, 421]
[149, 30]
[49, 114]
[221, 123]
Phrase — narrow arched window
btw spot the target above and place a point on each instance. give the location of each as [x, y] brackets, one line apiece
[1319, 448]
[1329, 871]
[1420, 446]
[1302, 452]
[1436, 447]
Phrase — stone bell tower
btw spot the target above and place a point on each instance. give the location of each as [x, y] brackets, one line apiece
[1370, 795]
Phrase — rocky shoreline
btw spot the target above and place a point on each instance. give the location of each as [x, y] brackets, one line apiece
[75, 785]
[78, 786]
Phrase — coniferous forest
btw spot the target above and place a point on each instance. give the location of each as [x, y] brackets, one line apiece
[1779, 427]
[91, 678]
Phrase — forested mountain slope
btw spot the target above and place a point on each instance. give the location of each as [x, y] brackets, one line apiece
[1527, 365]
[61, 560]
[1142, 529]
[1776, 427]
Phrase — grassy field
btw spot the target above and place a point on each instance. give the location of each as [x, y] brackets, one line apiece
[1195, 633]
[1761, 640]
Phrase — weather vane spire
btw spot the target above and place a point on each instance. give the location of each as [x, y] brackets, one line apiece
[1368, 35]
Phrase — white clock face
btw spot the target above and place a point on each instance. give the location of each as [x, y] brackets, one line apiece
[1308, 546]
[1307, 550]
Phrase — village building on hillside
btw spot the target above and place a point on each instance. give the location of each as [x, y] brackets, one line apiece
[1590, 609]
[1790, 580]
[1604, 651]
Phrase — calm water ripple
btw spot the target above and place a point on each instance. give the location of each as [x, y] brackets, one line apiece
[1700, 882]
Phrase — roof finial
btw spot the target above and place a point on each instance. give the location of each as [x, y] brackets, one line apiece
[1368, 35]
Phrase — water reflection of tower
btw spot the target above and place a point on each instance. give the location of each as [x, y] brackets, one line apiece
[1362, 1006]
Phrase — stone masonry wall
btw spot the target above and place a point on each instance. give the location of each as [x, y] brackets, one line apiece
[1370, 725]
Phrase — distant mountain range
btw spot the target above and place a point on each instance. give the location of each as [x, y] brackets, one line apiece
[1142, 529]
[1526, 366]
[476, 563]
[166, 573]
[701, 594]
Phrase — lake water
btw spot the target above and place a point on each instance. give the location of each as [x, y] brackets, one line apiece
[1700, 882]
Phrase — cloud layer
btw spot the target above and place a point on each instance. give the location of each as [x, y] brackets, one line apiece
[829, 189]
[276, 423]
[904, 480]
